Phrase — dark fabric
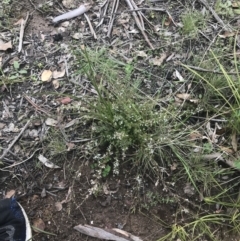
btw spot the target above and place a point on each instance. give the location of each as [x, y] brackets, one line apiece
[12, 221]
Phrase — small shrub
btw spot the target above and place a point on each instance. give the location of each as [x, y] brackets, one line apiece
[192, 21]
[128, 125]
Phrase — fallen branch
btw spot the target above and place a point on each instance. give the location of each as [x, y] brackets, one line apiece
[107, 235]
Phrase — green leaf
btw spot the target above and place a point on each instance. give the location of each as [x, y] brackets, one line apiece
[16, 65]
[13, 77]
[236, 11]
[22, 71]
[106, 171]
[237, 164]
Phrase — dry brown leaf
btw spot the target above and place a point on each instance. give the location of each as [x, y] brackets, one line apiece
[58, 74]
[58, 206]
[141, 54]
[70, 146]
[38, 225]
[236, 4]
[46, 162]
[226, 149]
[65, 100]
[227, 34]
[168, 21]
[173, 166]
[77, 36]
[56, 84]
[195, 136]
[46, 75]
[178, 76]
[10, 193]
[51, 122]
[195, 101]
[5, 46]
[35, 197]
[184, 96]
[43, 193]
[234, 141]
[19, 22]
[158, 61]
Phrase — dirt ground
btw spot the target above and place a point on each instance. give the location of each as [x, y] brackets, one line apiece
[59, 199]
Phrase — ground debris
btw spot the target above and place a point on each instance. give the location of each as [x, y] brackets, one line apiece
[106, 234]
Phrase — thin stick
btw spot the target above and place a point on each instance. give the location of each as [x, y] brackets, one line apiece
[209, 71]
[139, 24]
[36, 7]
[112, 18]
[90, 26]
[104, 12]
[23, 24]
[16, 164]
[14, 140]
[36, 106]
[139, 13]
[153, 9]
[219, 20]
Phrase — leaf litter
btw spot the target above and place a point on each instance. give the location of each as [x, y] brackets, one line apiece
[131, 32]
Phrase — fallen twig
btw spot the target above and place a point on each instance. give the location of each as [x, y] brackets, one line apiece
[14, 140]
[105, 4]
[21, 162]
[219, 20]
[36, 106]
[90, 26]
[210, 71]
[23, 24]
[36, 7]
[139, 24]
[154, 9]
[139, 13]
[114, 10]
[110, 234]
[72, 14]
